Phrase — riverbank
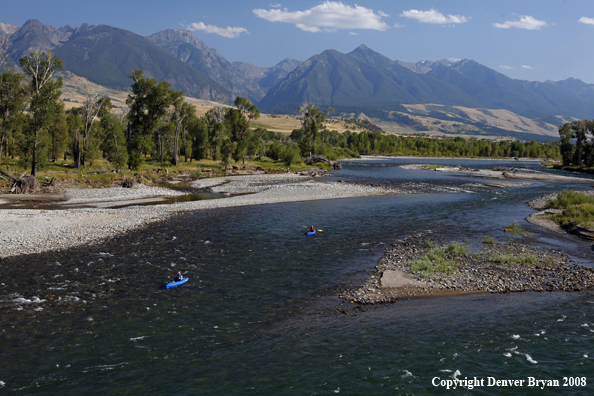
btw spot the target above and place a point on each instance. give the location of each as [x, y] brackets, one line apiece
[542, 217]
[90, 215]
[494, 268]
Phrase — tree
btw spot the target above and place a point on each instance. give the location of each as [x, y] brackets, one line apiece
[181, 110]
[13, 99]
[580, 131]
[186, 136]
[239, 123]
[312, 121]
[58, 134]
[149, 102]
[198, 132]
[45, 92]
[215, 121]
[75, 131]
[92, 105]
[114, 144]
[290, 154]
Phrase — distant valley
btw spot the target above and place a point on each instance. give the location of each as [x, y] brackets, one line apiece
[436, 98]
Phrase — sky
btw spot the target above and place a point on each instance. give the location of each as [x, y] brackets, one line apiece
[534, 40]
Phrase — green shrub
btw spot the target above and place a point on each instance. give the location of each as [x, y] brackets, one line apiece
[514, 229]
[568, 198]
[503, 259]
[578, 209]
[457, 248]
[512, 260]
[438, 259]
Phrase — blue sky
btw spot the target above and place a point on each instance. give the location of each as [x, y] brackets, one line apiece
[524, 39]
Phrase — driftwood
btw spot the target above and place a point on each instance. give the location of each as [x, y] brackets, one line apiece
[47, 182]
[20, 185]
[319, 159]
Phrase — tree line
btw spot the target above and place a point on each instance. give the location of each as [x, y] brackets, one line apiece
[160, 125]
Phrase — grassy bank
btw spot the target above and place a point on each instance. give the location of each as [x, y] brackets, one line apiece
[101, 172]
[577, 210]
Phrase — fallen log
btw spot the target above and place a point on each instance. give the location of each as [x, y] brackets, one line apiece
[21, 185]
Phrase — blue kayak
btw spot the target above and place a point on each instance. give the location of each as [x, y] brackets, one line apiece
[311, 232]
[173, 284]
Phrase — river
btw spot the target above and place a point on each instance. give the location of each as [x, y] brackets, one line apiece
[259, 314]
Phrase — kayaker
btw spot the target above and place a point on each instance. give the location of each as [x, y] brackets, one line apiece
[311, 229]
[178, 277]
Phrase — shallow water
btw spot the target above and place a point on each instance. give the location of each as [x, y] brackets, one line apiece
[258, 315]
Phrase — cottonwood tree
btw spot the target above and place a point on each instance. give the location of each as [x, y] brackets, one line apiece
[312, 122]
[181, 110]
[57, 131]
[149, 102]
[239, 119]
[40, 67]
[13, 100]
[92, 105]
[198, 133]
[114, 143]
[215, 121]
[582, 152]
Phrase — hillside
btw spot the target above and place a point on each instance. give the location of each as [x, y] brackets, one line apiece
[360, 78]
[183, 45]
[106, 55]
[364, 79]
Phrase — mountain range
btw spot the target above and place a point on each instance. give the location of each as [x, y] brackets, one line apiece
[360, 81]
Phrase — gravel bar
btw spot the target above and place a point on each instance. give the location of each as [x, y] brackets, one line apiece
[25, 231]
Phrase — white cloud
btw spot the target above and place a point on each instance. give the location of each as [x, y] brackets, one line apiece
[527, 67]
[229, 32]
[505, 67]
[328, 16]
[397, 25]
[586, 20]
[354, 34]
[526, 22]
[278, 5]
[433, 16]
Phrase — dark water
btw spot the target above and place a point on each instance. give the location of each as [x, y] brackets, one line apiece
[258, 315]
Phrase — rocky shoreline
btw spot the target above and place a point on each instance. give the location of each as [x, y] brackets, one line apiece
[99, 214]
[503, 173]
[484, 270]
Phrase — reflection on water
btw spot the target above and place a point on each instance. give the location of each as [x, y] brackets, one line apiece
[258, 315]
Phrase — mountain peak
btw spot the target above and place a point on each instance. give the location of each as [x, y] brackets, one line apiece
[8, 29]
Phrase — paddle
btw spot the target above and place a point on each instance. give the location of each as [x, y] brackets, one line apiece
[308, 227]
[183, 273]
